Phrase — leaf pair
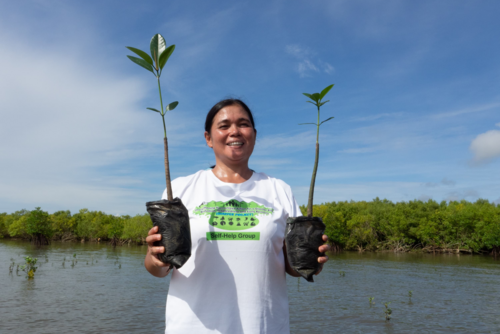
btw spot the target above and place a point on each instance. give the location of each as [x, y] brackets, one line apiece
[159, 55]
[169, 107]
[316, 100]
[317, 97]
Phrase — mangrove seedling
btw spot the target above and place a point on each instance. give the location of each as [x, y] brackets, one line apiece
[410, 294]
[371, 299]
[342, 273]
[160, 54]
[304, 235]
[317, 100]
[171, 216]
[387, 312]
[29, 267]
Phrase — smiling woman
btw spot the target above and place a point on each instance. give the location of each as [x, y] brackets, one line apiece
[234, 281]
[230, 132]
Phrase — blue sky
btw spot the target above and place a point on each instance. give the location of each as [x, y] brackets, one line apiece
[416, 98]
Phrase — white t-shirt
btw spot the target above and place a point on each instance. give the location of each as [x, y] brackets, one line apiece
[234, 281]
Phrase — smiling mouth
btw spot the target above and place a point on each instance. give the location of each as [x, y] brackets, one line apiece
[235, 143]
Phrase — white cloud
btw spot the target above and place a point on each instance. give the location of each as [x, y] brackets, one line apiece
[307, 65]
[72, 129]
[468, 110]
[469, 194]
[445, 181]
[377, 116]
[424, 198]
[299, 51]
[486, 146]
[498, 124]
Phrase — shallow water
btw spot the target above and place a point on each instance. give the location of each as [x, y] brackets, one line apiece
[114, 293]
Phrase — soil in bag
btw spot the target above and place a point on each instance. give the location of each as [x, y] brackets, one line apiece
[303, 236]
[172, 219]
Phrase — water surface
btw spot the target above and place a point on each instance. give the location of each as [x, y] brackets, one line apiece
[114, 293]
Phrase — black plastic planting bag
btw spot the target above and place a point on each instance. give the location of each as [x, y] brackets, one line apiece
[303, 236]
[172, 219]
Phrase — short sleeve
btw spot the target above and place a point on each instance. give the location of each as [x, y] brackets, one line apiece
[288, 200]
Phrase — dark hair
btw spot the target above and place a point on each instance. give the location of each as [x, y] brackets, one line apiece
[222, 104]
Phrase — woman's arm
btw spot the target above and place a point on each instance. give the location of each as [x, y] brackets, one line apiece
[151, 262]
[322, 259]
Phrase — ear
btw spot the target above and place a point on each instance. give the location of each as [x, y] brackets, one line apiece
[208, 138]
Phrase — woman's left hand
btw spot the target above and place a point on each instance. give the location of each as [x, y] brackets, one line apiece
[323, 249]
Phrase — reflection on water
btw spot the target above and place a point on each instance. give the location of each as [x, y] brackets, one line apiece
[450, 294]
[99, 289]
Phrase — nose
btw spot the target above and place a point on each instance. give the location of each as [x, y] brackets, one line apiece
[234, 130]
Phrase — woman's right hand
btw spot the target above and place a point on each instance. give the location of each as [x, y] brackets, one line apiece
[151, 262]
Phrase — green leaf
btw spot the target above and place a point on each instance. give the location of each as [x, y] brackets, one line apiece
[323, 102]
[308, 95]
[326, 120]
[142, 62]
[157, 46]
[154, 110]
[312, 102]
[308, 123]
[315, 97]
[165, 55]
[171, 106]
[141, 53]
[325, 91]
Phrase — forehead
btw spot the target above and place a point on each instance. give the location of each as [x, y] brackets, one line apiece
[231, 113]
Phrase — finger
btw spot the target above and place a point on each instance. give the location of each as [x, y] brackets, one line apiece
[323, 259]
[157, 262]
[153, 230]
[325, 238]
[324, 248]
[157, 250]
[152, 238]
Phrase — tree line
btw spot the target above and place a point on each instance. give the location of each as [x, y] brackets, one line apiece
[41, 227]
[415, 225]
[373, 226]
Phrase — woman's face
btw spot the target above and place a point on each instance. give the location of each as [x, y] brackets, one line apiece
[232, 136]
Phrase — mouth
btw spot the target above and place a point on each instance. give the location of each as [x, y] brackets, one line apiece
[235, 144]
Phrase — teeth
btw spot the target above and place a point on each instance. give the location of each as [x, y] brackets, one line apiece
[235, 143]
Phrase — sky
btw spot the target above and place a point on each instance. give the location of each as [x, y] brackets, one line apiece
[416, 99]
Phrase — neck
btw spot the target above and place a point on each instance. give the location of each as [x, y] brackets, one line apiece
[232, 174]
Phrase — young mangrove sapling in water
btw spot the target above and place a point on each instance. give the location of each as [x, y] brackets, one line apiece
[304, 235]
[169, 215]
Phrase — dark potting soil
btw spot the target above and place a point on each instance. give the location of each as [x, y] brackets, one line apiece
[172, 219]
[303, 236]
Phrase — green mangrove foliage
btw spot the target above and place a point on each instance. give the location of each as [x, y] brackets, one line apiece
[429, 226]
[84, 225]
[377, 225]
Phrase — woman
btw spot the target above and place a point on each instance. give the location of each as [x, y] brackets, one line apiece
[234, 281]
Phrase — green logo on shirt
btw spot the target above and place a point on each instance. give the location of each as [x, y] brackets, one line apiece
[232, 215]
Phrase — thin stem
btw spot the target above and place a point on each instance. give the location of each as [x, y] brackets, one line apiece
[315, 169]
[162, 113]
[170, 197]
